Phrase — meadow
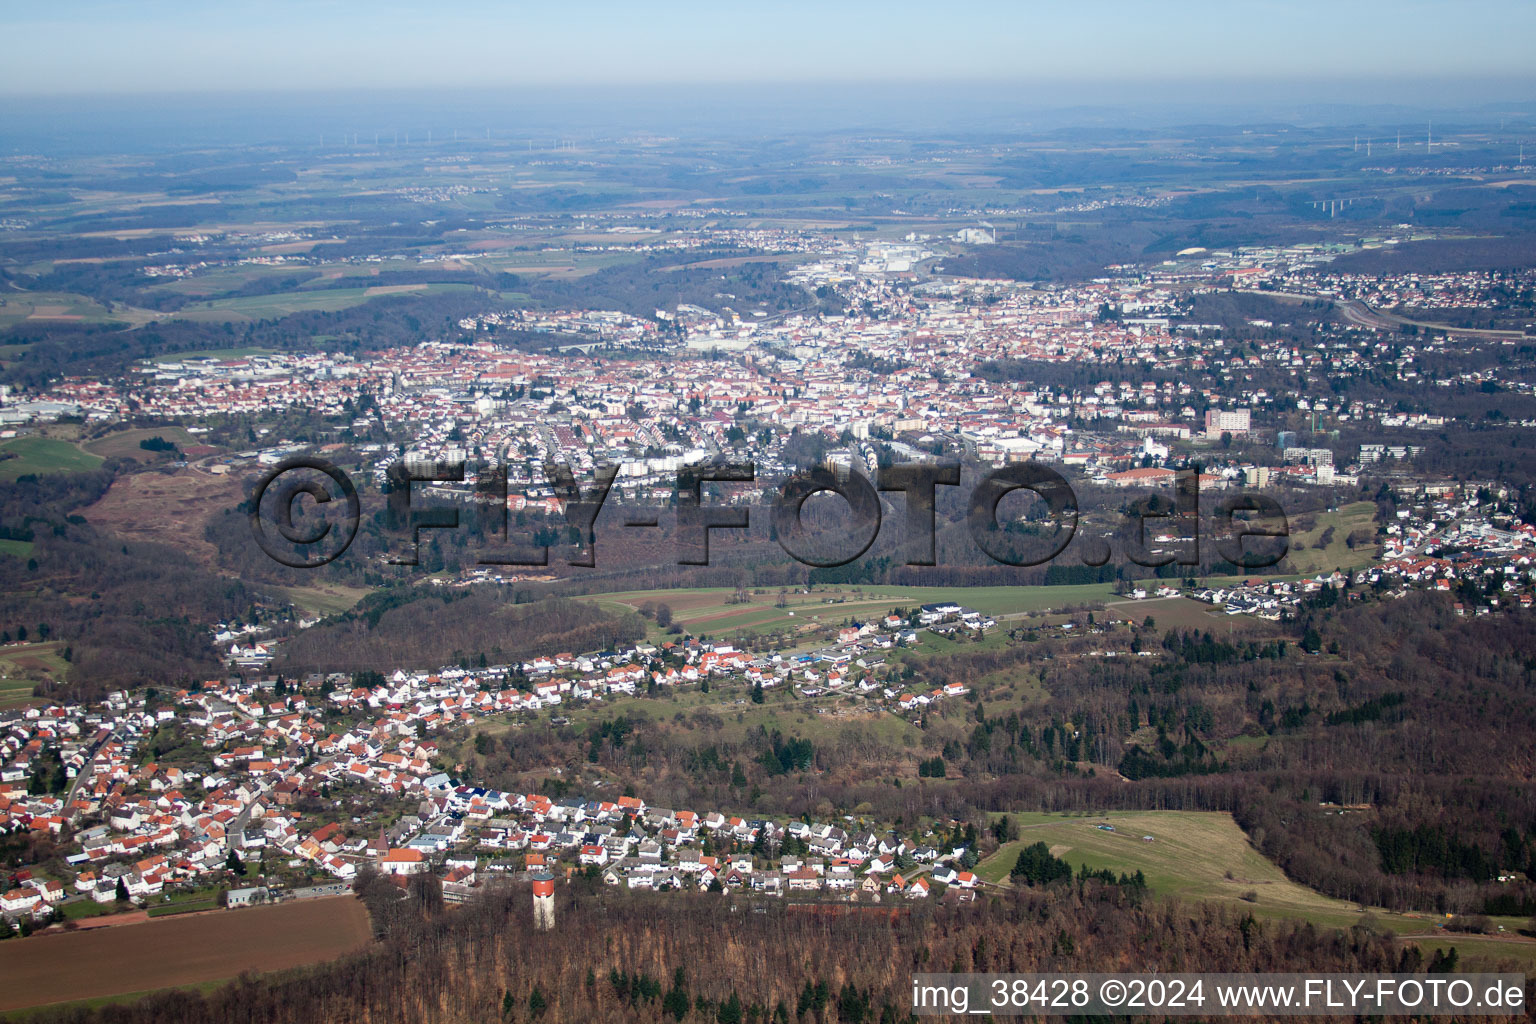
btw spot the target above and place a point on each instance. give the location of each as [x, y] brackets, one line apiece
[23, 666]
[16, 548]
[44, 455]
[330, 300]
[711, 611]
[1308, 555]
[59, 307]
[1204, 855]
[124, 444]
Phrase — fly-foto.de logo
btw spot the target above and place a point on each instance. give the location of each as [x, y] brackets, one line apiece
[310, 533]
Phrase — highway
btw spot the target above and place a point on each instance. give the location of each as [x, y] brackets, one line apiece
[1357, 312]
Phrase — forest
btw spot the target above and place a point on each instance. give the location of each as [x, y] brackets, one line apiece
[427, 629]
[1390, 768]
[620, 957]
[132, 612]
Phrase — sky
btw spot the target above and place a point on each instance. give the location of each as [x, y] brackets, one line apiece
[1371, 49]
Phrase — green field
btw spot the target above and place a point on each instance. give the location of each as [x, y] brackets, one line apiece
[322, 599]
[86, 908]
[1203, 855]
[184, 907]
[15, 692]
[124, 444]
[329, 300]
[710, 611]
[23, 666]
[1186, 613]
[1307, 557]
[222, 280]
[44, 455]
[57, 307]
[932, 644]
[16, 548]
[1191, 854]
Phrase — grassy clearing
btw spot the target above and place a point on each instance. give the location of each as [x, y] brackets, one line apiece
[23, 666]
[708, 610]
[55, 307]
[1016, 688]
[259, 307]
[1192, 854]
[1479, 952]
[44, 455]
[182, 902]
[323, 599]
[1308, 557]
[16, 548]
[1186, 613]
[1203, 855]
[124, 444]
[932, 644]
[15, 693]
[81, 909]
[187, 907]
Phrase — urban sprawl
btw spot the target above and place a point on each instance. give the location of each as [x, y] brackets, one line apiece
[903, 371]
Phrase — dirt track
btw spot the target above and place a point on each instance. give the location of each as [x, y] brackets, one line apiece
[107, 921]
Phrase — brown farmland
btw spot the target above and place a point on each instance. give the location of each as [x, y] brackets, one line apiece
[172, 951]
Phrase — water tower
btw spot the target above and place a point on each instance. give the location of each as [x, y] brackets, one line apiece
[543, 901]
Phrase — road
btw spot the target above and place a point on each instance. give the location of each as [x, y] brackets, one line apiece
[234, 836]
[1357, 312]
[85, 772]
[1362, 315]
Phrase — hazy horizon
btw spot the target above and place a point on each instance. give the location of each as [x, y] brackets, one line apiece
[166, 75]
[169, 46]
[977, 110]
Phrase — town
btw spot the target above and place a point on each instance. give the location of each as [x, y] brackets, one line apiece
[911, 369]
[538, 558]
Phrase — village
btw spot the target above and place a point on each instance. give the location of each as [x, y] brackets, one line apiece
[1441, 538]
[265, 748]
